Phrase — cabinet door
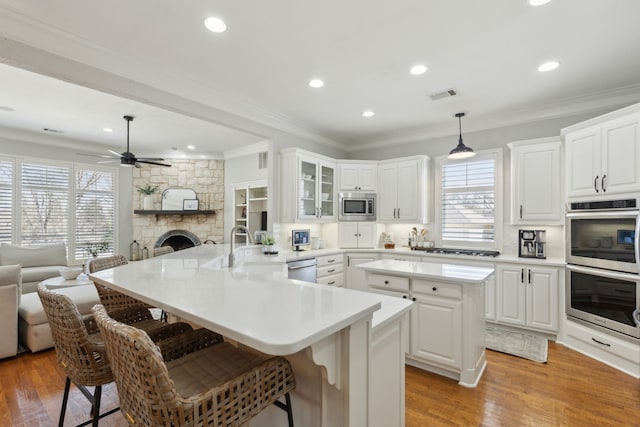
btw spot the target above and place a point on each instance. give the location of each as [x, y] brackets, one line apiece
[348, 235]
[308, 193]
[326, 187]
[357, 278]
[367, 177]
[436, 330]
[388, 192]
[583, 162]
[542, 298]
[407, 190]
[621, 156]
[348, 177]
[535, 176]
[367, 235]
[511, 295]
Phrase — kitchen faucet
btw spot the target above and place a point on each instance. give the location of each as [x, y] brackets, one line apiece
[232, 257]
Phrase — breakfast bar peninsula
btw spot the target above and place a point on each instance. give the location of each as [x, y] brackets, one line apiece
[328, 334]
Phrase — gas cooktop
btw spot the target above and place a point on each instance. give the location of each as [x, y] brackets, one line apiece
[449, 251]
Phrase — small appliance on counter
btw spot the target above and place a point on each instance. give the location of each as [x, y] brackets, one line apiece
[532, 243]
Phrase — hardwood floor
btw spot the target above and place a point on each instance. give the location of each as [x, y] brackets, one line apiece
[569, 390]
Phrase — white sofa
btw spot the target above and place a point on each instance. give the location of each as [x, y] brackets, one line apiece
[10, 282]
[38, 264]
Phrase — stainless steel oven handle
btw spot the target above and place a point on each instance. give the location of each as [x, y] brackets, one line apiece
[636, 243]
[629, 277]
[636, 316]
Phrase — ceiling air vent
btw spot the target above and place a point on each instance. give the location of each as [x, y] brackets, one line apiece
[444, 94]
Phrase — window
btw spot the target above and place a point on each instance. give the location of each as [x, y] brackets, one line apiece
[45, 202]
[468, 191]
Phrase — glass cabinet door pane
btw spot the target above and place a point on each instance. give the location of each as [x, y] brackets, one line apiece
[327, 180]
[308, 187]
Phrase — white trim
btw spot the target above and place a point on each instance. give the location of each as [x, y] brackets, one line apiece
[248, 150]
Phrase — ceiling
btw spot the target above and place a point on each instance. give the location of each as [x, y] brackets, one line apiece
[224, 91]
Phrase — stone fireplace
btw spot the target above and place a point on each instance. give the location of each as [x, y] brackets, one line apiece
[206, 178]
[178, 239]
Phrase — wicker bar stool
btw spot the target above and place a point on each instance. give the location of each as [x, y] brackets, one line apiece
[80, 348]
[162, 250]
[219, 385]
[111, 299]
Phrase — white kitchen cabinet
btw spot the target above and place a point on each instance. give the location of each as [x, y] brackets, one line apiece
[308, 187]
[527, 296]
[358, 176]
[357, 278]
[402, 190]
[536, 189]
[352, 235]
[330, 270]
[603, 155]
[436, 326]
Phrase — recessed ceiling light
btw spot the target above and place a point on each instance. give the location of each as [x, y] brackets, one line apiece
[418, 69]
[107, 129]
[316, 83]
[537, 2]
[214, 24]
[191, 147]
[368, 113]
[548, 66]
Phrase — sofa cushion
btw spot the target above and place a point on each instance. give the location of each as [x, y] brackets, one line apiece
[11, 275]
[38, 274]
[33, 256]
[84, 296]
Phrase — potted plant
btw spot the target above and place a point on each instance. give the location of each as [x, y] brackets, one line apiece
[148, 190]
[269, 245]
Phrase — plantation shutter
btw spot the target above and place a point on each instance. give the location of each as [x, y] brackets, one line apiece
[6, 200]
[44, 202]
[469, 200]
[94, 211]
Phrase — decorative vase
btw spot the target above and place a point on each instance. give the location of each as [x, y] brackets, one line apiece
[147, 202]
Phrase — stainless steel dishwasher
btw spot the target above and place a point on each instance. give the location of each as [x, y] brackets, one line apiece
[304, 269]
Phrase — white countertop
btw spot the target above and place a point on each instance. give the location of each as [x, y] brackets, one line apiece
[429, 270]
[253, 303]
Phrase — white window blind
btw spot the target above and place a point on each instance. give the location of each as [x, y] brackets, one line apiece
[44, 204]
[6, 200]
[468, 200]
[94, 211]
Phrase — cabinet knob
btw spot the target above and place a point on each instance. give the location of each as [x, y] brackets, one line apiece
[413, 299]
[386, 282]
[434, 289]
[404, 296]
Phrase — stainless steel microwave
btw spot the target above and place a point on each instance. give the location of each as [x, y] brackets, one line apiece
[357, 207]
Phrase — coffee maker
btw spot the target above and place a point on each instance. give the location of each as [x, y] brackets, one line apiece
[532, 243]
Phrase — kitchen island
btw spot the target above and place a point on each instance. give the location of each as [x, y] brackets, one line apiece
[447, 322]
[327, 333]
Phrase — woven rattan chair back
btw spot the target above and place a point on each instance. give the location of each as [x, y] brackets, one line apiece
[110, 299]
[162, 250]
[146, 391]
[84, 362]
[149, 395]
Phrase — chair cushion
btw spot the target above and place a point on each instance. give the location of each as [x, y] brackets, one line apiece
[32, 312]
[33, 256]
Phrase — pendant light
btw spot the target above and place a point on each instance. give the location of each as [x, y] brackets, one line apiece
[461, 151]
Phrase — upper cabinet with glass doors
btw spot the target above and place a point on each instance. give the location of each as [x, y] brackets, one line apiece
[308, 183]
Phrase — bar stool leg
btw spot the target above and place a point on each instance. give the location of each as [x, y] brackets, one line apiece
[65, 397]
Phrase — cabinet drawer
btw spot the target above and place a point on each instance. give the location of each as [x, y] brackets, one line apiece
[333, 280]
[329, 269]
[388, 282]
[440, 289]
[329, 260]
[602, 346]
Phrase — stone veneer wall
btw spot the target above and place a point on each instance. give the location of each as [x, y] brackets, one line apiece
[205, 177]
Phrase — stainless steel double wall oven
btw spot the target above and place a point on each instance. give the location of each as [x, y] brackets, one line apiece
[603, 259]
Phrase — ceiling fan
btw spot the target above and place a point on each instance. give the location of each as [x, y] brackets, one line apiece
[128, 158]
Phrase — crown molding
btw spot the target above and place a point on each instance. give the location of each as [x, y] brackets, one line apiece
[248, 150]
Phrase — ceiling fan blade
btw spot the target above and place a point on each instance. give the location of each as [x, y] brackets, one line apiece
[152, 163]
[104, 156]
[107, 161]
[113, 152]
[151, 158]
